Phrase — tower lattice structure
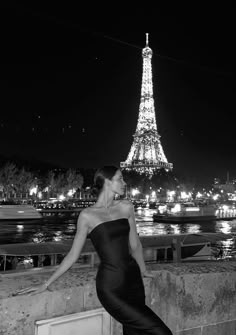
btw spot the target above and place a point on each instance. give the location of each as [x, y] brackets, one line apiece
[146, 153]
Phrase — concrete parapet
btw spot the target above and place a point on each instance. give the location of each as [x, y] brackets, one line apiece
[193, 298]
[196, 298]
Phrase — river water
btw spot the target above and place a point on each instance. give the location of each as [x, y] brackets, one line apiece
[63, 227]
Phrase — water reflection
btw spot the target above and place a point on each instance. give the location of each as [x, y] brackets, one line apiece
[58, 236]
[150, 228]
[175, 229]
[71, 228]
[144, 215]
[166, 228]
[193, 228]
[20, 227]
[39, 237]
[59, 228]
[226, 227]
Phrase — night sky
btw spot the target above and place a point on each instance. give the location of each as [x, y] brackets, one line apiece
[70, 88]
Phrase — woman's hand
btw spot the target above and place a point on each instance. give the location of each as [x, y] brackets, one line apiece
[32, 290]
[148, 274]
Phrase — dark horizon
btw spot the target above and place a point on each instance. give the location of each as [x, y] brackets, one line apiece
[70, 95]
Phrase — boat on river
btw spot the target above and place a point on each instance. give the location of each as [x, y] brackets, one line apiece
[59, 207]
[184, 212]
[159, 248]
[15, 211]
[26, 256]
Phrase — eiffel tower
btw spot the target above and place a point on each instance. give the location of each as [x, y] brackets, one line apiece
[146, 154]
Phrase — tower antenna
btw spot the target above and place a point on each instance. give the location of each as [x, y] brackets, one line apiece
[147, 39]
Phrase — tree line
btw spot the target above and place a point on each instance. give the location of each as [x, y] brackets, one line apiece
[18, 180]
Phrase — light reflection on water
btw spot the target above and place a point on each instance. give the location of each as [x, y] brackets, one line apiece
[227, 247]
[63, 227]
[144, 215]
[226, 227]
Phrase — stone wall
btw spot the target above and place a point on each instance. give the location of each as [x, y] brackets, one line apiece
[196, 299]
[193, 299]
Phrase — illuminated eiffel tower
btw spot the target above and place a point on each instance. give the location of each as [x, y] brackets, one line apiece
[146, 154]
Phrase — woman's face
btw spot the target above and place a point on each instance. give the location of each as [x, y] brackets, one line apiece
[117, 183]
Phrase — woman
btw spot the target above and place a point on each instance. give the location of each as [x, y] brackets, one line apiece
[110, 224]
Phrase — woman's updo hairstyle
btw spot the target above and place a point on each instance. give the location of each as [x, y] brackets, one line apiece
[105, 172]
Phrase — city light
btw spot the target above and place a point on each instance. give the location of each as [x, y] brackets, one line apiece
[71, 192]
[33, 190]
[134, 192]
[199, 195]
[40, 195]
[176, 208]
[215, 196]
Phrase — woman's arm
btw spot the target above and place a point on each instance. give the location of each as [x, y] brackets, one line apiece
[74, 253]
[69, 260]
[134, 241]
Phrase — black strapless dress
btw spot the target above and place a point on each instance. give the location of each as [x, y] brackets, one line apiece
[119, 283]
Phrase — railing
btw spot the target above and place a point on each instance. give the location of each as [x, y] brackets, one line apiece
[156, 249]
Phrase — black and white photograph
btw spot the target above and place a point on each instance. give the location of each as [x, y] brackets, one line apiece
[117, 169]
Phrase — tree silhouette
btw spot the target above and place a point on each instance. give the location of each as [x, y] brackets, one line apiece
[8, 175]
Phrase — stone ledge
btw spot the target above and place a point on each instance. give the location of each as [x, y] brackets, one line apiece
[75, 277]
[189, 296]
[196, 267]
[79, 276]
[226, 328]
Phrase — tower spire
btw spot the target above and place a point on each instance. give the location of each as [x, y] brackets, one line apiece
[146, 153]
[147, 39]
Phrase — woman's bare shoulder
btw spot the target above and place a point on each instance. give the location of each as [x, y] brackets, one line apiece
[127, 204]
[86, 213]
[85, 216]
